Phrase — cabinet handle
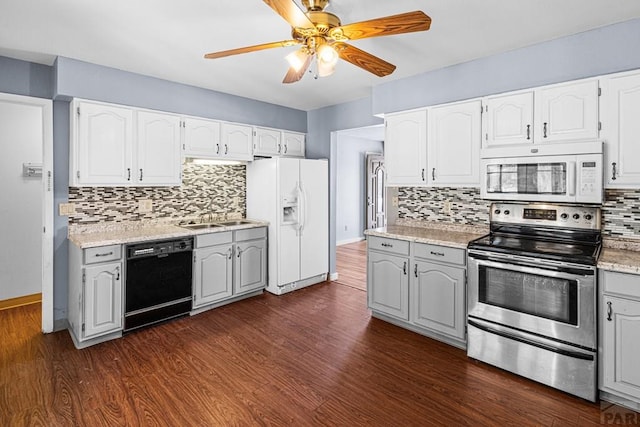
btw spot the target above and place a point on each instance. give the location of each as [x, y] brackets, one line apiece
[544, 130]
[226, 149]
[140, 174]
[437, 253]
[609, 311]
[279, 148]
[128, 174]
[528, 131]
[613, 171]
[230, 253]
[117, 273]
[433, 174]
[285, 148]
[387, 245]
[239, 251]
[404, 268]
[105, 254]
[415, 270]
[217, 148]
[423, 174]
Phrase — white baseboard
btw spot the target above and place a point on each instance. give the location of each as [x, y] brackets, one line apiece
[333, 276]
[347, 241]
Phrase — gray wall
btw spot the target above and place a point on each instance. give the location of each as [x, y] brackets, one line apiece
[351, 191]
[25, 78]
[605, 50]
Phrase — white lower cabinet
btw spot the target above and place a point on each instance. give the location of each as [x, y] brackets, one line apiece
[620, 338]
[229, 265]
[418, 286]
[95, 294]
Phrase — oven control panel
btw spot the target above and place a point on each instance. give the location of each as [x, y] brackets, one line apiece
[572, 216]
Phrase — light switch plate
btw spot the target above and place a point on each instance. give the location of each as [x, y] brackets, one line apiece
[145, 206]
[65, 209]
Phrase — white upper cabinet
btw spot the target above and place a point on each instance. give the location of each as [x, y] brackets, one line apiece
[158, 149]
[101, 145]
[237, 141]
[267, 142]
[121, 146]
[201, 137]
[454, 144]
[620, 111]
[405, 148]
[293, 144]
[567, 112]
[508, 119]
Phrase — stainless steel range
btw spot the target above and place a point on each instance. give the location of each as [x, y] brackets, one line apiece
[532, 294]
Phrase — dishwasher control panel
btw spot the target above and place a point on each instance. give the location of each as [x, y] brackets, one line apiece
[159, 247]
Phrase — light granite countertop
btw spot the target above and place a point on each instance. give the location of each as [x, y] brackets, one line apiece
[451, 235]
[90, 236]
[620, 260]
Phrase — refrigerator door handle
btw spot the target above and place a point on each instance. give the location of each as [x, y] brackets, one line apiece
[302, 208]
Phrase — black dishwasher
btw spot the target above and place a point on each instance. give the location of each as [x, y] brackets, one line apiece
[158, 282]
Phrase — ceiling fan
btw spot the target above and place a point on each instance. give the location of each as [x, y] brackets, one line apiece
[322, 35]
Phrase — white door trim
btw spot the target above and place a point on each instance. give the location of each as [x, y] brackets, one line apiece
[46, 107]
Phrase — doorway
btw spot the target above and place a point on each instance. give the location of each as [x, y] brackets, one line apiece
[26, 215]
[376, 194]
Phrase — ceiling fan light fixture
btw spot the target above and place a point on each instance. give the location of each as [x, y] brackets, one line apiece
[325, 69]
[297, 59]
[327, 55]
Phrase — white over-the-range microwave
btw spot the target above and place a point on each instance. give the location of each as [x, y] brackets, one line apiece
[565, 173]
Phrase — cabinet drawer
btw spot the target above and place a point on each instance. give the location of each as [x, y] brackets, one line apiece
[400, 247]
[102, 254]
[212, 239]
[621, 283]
[439, 253]
[251, 234]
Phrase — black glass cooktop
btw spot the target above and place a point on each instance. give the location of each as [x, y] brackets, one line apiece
[581, 253]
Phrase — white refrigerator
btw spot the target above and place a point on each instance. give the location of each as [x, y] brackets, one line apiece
[293, 196]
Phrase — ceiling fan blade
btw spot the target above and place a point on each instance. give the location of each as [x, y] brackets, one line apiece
[364, 60]
[293, 76]
[396, 24]
[291, 13]
[247, 49]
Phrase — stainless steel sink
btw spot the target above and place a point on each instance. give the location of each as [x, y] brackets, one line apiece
[234, 222]
[200, 226]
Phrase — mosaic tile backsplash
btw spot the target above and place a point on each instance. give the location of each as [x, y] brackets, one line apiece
[620, 211]
[220, 189]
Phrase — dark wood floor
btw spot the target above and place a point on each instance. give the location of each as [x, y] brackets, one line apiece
[351, 264]
[311, 357]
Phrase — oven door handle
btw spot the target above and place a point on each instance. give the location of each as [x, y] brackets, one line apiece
[524, 266]
[536, 343]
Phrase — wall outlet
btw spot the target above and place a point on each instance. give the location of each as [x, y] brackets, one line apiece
[394, 202]
[236, 201]
[447, 207]
[145, 206]
[65, 209]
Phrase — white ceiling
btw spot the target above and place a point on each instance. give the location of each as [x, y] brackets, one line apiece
[168, 38]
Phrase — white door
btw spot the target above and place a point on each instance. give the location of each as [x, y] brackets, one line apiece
[21, 138]
[620, 110]
[454, 145]
[213, 275]
[405, 148]
[509, 119]
[288, 233]
[268, 142]
[201, 137]
[293, 144]
[388, 284]
[567, 112]
[314, 212]
[376, 192]
[159, 160]
[237, 141]
[102, 299]
[250, 266]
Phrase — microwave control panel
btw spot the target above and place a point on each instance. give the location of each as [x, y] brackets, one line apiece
[589, 183]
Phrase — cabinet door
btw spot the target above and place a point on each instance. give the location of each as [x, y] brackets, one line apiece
[267, 142]
[102, 303]
[158, 149]
[213, 276]
[293, 144]
[405, 148]
[237, 141]
[621, 129]
[567, 112]
[201, 137]
[104, 145]
[509, 119]
[437, 298]
[621, 346]
[454, 144]
[388, 284]
[250, 266]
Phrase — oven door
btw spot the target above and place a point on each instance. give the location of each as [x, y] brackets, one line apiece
[549, 298]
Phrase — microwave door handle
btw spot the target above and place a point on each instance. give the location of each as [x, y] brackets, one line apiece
[571, 178]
